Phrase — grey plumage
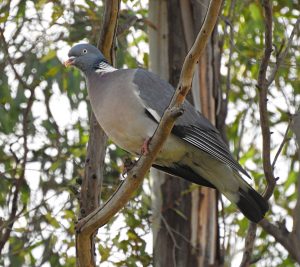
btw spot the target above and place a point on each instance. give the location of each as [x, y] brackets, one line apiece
[192, 126]
[129, 103]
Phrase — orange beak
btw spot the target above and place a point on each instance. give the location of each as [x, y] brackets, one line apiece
[69, 62]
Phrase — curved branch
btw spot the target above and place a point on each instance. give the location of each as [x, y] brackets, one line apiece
[289, 240]
[25, 121]
[21, 180]
[136, 175]
[281, 56]
[282, 236]
[262, 85]
[18, 76]
[109, 29]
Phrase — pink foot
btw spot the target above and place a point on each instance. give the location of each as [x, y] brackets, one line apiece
[145, 146]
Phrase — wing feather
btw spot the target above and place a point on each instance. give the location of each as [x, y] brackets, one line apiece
[212, 145]
[192, 126]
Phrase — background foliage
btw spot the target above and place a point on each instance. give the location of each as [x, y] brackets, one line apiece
[44, 129]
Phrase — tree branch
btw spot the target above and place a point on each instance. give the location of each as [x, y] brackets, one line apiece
[262, 86]
[109, 28]
[25, 120]
[223, 105]
[282, 55]
[249, 242]
[93, 175]
[135, 176]
[20, 181]
[281, 236]
[284, 140]
[289, 240]
[10, 61]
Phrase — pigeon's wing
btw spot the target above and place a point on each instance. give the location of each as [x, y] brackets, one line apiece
[192, 126]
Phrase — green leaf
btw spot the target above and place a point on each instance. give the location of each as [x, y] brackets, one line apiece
[53, 71]
[51, 54]
[255, 11]
[55, 165]
[292, 178]
[4, 16]
[52, 220]
[104, 252]
[25, 193]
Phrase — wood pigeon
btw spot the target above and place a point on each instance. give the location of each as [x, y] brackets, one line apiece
[129, 103]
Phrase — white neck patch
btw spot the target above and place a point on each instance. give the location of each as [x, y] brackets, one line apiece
[104, 67]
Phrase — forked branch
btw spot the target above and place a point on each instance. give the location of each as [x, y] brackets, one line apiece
[263, 85]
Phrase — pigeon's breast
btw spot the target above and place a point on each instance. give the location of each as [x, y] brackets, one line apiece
[126, 127]
[121, 113]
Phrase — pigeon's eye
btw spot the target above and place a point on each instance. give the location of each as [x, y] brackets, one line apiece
[84, 51]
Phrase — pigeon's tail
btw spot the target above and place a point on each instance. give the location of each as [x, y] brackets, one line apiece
[229, 183]
[250, 203]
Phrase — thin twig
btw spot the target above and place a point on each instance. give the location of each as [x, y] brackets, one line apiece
[20, 181]
[283, 54]
[175, 245]
[18, 76]
[241, 134]
[223, 109]
[263, 100]
[262, 86]
[284, 140]
[22, 214]
[281, 237]
[249, 245]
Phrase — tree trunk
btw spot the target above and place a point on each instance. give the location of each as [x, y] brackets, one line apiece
[185, 219]
[94, 165]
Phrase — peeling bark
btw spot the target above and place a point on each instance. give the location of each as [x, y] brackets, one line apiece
[185, 223]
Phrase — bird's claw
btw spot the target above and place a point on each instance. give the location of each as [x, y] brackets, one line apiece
[145, 146]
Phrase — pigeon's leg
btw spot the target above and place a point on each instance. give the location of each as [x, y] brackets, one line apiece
[145, 146]
[127, 166]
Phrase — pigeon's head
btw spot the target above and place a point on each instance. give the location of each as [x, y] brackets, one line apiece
[85, 57]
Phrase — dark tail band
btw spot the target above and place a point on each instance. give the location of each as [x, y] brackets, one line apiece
[252, 204]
